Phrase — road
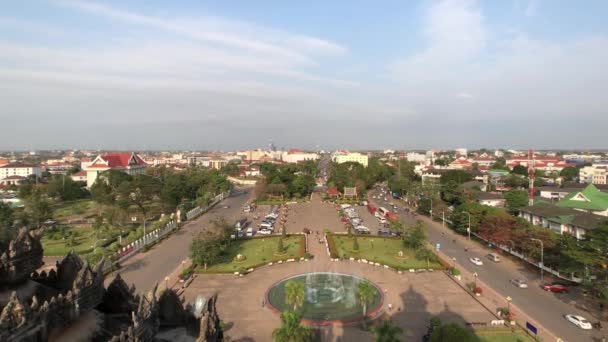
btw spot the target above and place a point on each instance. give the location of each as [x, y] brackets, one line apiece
[547, 308]
[144, 269]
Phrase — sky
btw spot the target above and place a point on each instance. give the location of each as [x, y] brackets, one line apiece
[222, 75]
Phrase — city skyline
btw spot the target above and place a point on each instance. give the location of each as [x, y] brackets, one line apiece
[138, 76]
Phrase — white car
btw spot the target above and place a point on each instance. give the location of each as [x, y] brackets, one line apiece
[265, 231]
[522, 284]
[476, 261]
[579, 321]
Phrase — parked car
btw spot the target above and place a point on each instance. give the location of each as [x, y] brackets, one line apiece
[382, 220]
[384, 232]
[555, 287]
[522, 284]
[249, 231]
[579, 321]
[476, 261]
[265, 231]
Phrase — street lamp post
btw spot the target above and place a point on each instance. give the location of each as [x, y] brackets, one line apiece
[542, 261]
[509, 299]
[453, 262]
[469, 228]
[475, 279]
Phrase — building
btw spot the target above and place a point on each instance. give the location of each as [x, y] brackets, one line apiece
[129, 163]
[297, 156]
[561, 220]
[354, 157]
[80, 176]
[15, 173]
[590, 200]
[416, 157]
[58, 168]
[491, 199]
[594, 174]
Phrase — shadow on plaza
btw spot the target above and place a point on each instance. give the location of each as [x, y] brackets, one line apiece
[413, 317]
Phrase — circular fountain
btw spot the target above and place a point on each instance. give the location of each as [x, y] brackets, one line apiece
[329, 298]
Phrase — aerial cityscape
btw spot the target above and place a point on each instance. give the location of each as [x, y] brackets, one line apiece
[205, 171]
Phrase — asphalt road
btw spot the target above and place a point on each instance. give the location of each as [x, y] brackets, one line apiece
[144, 269]
[547, 308]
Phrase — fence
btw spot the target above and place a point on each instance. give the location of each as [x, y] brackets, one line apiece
[157, 234]
[196, 212]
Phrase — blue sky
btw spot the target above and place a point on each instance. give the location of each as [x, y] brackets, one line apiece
[353, 74]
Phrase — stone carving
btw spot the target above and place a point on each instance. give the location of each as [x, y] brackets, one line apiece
[210, 329]
[24, 255]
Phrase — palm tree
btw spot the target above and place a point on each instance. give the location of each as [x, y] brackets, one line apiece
[366, 293]
[386, 332]
[291, 330]
[294, 293]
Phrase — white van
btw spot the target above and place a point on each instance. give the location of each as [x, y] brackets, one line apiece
[494, 257]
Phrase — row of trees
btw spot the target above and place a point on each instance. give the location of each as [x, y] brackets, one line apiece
[212, 243]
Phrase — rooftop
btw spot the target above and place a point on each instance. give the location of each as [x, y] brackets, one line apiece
[591, 198]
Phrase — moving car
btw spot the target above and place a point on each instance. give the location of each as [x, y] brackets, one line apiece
[555, 287]
[579, 321]
[522, 284]
[494, 257]
[476, 261]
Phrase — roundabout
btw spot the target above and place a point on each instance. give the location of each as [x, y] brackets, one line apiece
[329, 298]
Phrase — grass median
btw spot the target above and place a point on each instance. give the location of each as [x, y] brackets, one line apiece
[383, 250]
[256, 252]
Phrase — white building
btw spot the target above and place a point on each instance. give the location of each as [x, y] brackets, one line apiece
[594, 174]
[355, 157]
[416, 157]
[295, 157]
[14, 173]
[129, 163]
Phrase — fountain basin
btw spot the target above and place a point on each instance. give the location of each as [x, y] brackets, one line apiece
[330, 298]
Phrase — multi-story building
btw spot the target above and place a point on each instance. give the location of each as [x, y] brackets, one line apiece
[296, 156]
[129, 163]
[12, 173]
[355, 157]
[594, 174]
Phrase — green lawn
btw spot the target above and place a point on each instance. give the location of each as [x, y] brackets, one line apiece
[83, 238]
[503, 335]
[75, 209]
[258, 251]
[382, 250]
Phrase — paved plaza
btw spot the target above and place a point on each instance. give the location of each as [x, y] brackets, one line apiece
[415, 297]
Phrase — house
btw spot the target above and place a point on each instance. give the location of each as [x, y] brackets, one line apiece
[15, 173]
[129, 163]
[560, 219]
[590, 199]
[461, 163]
[491, 199]
[80, 176]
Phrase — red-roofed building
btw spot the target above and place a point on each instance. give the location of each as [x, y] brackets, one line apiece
[129, 163]
[80, 176]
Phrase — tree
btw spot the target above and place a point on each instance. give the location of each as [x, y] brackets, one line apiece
[520, 170]
[366, 293]
[414, 236]
[38, 208]
[497, 227]
[425, 254]
[515, 200]
[280, 247]
[291, 330]
[456, 176]
[205, 249]
[500, 164]
[294, 293]
[569, 173]
[452, 332]
[65, 189]
[140, 193]
[386, 332]
[6, 224]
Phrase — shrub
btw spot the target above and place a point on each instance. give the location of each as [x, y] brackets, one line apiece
[333, 253]
[455, 271]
